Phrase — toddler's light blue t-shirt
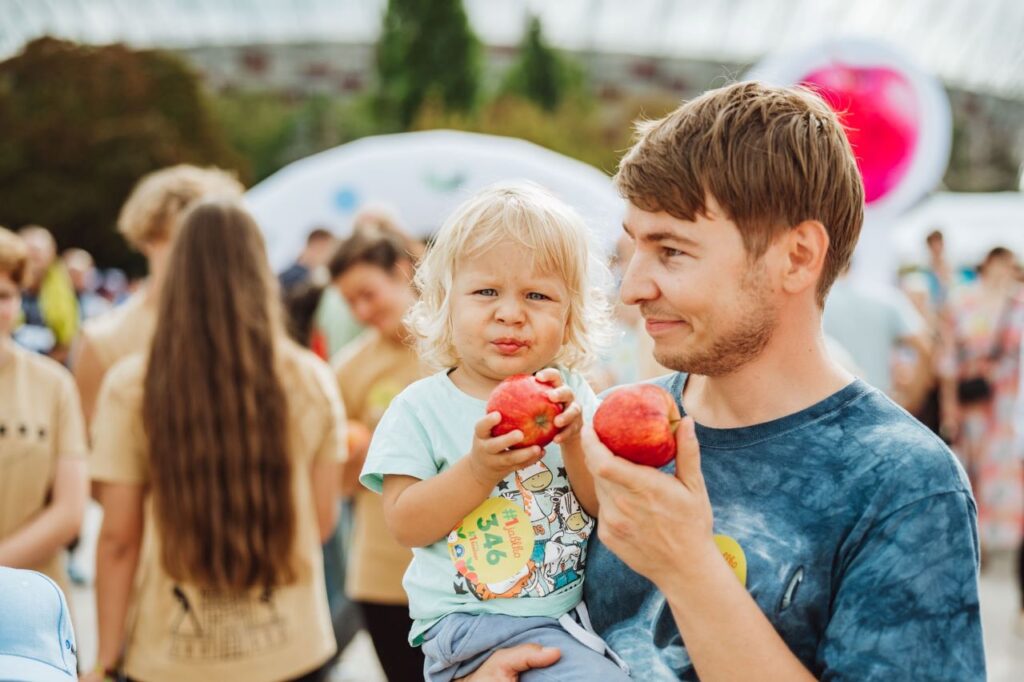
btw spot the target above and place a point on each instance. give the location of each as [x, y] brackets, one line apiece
[524, 553]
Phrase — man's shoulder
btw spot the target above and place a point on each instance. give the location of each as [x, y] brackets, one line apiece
[882, 446]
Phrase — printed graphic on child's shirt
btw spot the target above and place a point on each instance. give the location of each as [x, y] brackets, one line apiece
[527, 542]
[493, 543]
[218, 627]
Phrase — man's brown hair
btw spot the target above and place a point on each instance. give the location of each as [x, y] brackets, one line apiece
[770, 157]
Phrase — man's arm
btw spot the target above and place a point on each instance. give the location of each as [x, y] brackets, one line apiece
[907, 598]
[661, 526]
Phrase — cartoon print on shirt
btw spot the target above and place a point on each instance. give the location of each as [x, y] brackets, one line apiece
[560, 529]
[564, 554]
[532, 493]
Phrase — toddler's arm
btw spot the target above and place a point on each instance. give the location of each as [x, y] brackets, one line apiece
[421, 512]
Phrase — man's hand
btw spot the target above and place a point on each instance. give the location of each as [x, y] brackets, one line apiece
[504, 665]
[660, 525]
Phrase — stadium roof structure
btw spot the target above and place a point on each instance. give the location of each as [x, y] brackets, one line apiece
[975, 45]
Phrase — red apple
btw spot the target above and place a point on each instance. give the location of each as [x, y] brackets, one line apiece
[523, 404]
[638, 423]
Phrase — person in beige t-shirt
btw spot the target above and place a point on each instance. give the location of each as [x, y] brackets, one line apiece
[373, 270]
[148, 221]
[216, 459]
[43, 477]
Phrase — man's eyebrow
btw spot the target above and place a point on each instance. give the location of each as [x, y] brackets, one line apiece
[656, 237]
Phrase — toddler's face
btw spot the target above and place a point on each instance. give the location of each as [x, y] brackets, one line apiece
[508, 317]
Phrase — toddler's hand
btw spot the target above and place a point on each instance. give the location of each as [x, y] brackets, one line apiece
[570, 421]
[494, 458]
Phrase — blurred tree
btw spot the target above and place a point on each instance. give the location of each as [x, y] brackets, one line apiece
[541, 74]
[82, 124]
[426, 46]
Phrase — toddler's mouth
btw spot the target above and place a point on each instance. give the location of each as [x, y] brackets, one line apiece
[509, 346]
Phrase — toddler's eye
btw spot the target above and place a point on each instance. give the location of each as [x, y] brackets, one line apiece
[537, 296]
[672, 253]
[486, 292]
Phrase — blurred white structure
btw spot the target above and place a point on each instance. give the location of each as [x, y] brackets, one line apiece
[971, 223]
[423, 176]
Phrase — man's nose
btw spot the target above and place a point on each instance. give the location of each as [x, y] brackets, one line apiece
[637, 285]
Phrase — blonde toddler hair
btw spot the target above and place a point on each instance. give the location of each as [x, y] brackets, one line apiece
[526, 214]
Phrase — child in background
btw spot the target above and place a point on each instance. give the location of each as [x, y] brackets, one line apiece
[506, 289]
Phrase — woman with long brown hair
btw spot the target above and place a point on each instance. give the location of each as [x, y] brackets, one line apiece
[216, 462]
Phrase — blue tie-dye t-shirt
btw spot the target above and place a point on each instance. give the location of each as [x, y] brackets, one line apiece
[858, 533]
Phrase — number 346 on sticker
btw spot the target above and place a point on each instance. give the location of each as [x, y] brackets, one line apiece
[493, 542]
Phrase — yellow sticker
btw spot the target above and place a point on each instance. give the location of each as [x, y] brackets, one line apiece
[734, 556]
[493, 542]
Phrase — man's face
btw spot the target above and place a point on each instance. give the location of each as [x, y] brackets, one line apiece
[708, 307]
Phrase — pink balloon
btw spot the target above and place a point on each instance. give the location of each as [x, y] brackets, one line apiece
[880, 113]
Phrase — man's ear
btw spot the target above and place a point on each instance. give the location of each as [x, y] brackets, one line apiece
[804, 249]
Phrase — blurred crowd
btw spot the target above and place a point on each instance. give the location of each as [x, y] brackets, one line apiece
[62, 291]
[946, 344]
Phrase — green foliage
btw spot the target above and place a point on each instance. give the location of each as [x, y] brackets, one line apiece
[426, 47]
[541, 74]
[575, 128]
[82, 124]
[271, 130]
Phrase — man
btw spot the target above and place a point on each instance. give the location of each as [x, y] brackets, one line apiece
[847, 530]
